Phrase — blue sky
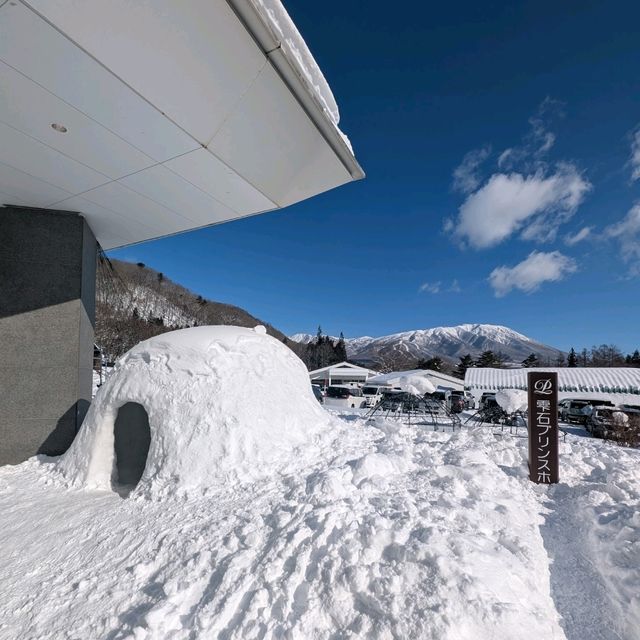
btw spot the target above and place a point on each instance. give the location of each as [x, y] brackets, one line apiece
[447, 228]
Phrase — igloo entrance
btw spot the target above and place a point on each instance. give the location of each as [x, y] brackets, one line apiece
[132, 437]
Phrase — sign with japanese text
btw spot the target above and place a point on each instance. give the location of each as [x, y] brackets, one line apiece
[543, 427]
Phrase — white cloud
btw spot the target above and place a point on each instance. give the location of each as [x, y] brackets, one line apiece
[573, 238]
[534, 204]
[430, 287]
[465, 176]
[528, 275]
[635, 156]
[627, 233]
[455, 287]
[505, 158]
[525, 195]
[537, 142]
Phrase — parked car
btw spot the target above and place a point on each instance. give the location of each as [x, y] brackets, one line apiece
[456, 402]
[577, 411]
[372, 395]
[469, 400]
[461, 400]
[317, 392]
[484, 397]
[609, 422]
[344, 396]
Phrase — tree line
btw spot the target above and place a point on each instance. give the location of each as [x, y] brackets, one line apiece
[134, 303]
[606, 355]
[322, 351]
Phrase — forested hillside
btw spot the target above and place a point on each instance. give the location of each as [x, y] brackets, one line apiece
[134, 302]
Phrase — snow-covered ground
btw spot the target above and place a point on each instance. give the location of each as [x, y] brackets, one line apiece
[377, 531]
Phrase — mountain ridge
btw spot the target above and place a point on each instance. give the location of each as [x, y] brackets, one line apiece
[449, 343]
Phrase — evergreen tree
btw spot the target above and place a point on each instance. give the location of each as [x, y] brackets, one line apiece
[462, 366]
[488, 359]
[560, 360]
[572, 361]
[341, 349]
[435, 364]
[635, 358]
[530, 361]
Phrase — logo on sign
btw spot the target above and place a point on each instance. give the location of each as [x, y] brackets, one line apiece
[543, 387]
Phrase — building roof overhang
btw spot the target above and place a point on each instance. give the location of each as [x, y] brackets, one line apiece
[169, 116]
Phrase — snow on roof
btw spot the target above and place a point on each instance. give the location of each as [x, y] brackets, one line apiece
[600, 380]
[394, 377]
[294, 45]
[224, 403]
[343, 368]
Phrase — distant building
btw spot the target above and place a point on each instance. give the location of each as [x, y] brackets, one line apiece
[618, 384]
[437, 378]
[341, 373]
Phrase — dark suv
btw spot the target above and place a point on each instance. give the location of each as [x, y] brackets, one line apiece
[457, 402]
[609, 422]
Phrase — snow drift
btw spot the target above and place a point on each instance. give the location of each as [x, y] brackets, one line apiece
[223, 403]
[416, 385]
[512, 400]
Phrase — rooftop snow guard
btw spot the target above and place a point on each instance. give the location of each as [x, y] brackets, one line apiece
[224, 404]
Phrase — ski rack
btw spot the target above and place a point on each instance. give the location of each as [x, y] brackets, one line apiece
[416, 410]
[496, 417]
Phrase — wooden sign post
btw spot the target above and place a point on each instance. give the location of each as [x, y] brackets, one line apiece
[543, 427]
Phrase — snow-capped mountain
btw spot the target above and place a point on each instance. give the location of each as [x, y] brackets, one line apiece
[446, 342]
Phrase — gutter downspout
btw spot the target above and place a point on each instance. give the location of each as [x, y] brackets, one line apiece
[290, 75]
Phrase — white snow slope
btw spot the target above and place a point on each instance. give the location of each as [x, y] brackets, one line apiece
[386, 531]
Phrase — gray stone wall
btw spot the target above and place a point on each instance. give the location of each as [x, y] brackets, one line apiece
[47, 315]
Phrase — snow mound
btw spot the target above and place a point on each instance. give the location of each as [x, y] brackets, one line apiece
[512, 400]
[417, 385]
[223, 404]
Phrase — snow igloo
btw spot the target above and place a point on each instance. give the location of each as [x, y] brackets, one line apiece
[193, 409]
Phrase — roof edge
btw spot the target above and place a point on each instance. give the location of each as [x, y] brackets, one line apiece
[266, 40]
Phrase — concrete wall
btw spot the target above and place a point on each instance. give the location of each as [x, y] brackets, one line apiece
[47, 315]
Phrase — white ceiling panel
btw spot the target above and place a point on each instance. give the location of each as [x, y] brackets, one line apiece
[6, 198]
[141, 211]
[26, 106]
[205, 171]
[21, 188]
[269, 138]
[37, 159]
[40, 52]
[320, 172]
[192, 60]
[111, 228]
[175, 117]
[175, 193]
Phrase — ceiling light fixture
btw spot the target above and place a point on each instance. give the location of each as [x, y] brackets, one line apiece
[60, 128]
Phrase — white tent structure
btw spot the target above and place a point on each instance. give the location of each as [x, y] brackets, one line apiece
[620, 385]
[341, 373]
